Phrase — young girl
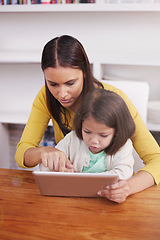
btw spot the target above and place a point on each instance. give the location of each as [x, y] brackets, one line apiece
[100, 142]
[68, 78]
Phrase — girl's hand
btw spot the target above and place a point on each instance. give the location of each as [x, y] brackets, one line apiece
[117, 192]
[55, 160]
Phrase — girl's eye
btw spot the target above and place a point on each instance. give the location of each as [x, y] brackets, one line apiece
[104, 136]
[87, 132]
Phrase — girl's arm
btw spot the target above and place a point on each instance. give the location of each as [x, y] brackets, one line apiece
[119, 191]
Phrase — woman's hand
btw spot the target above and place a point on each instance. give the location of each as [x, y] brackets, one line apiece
[117, 192]
[55, 160]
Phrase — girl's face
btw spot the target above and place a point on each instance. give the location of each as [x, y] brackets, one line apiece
[96, 135]
[65, 84]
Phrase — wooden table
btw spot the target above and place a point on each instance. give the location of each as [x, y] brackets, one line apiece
[25, 214]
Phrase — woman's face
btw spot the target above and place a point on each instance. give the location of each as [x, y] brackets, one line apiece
[65, 84]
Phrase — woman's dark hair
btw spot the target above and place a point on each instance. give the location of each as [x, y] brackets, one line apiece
[110, 109]
[66, 51]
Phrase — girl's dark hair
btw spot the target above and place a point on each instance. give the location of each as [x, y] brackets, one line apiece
[110, 109]
[66, 51]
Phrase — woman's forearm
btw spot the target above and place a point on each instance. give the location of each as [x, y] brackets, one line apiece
[32, 157]
[140, 181]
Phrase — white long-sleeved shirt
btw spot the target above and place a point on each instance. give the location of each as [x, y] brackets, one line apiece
[77, 152]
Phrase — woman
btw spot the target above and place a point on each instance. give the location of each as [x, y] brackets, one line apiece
[68, 78]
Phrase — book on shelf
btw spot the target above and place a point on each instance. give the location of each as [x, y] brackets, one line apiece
[79, 1]
[20, 2]
[45, 1]
[87, 1]
[53, 2]
[15, 2]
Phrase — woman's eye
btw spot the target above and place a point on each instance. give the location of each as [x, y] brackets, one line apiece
[53, 84]
[70, 83]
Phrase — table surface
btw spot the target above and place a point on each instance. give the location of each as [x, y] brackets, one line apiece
[25, 214]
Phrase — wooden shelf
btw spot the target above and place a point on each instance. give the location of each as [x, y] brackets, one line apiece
[20, 56]
[153, 127]
[14, 117]
[97, 7]
[119, 58]
[126, 58]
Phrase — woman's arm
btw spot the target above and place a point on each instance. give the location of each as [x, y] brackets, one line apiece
[50, 157]
[28, 152]
[143, 141]
[119, 191]
[140, 181]
[32, 156]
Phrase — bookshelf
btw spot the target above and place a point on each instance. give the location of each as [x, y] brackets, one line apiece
[127, 37]
[100, 6]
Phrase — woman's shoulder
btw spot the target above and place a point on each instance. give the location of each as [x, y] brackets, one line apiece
[118, 91]
[42, 92]
[41, 95]
[40, 101]
[112, 88]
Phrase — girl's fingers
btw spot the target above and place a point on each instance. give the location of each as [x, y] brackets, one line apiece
[56, 164]
[69, 170]
[50, 164]
[61, 165]
[55, 160]
[68, 164]
[44, 159]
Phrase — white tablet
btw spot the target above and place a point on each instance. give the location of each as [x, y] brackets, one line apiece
[72, 184]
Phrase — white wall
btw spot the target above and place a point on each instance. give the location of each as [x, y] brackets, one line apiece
[19, 84]
[150, 74]
[98, 32]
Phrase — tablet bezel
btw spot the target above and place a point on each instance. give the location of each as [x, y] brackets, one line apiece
[72, 184]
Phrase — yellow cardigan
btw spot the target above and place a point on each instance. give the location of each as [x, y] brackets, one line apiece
[143, 142]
